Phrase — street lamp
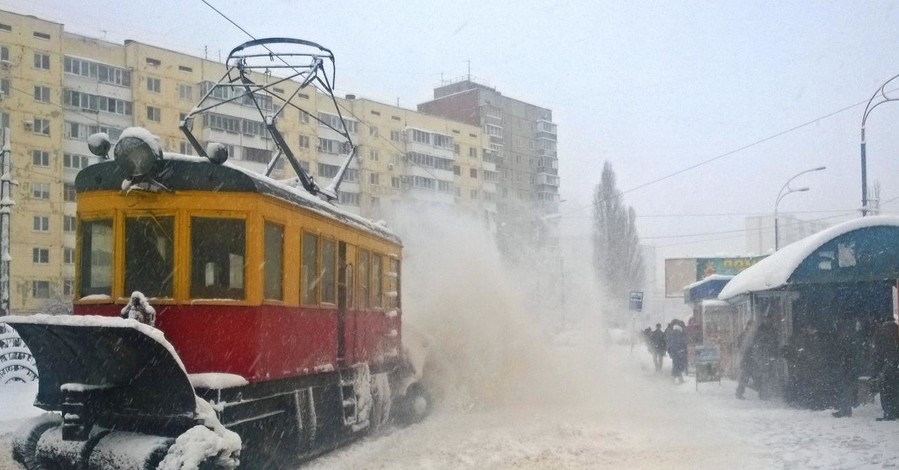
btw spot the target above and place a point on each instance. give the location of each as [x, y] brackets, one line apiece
[870, 107]
[781, 194]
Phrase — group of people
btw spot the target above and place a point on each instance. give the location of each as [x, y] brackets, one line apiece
[823, 363]
[673, 341]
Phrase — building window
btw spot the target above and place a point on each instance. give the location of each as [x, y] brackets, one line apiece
[149, 255]
[185, 148]
[154, 84]
[42, 94]
[395, 182]
[4, 86]
[5, 27]
[374, 155]
[77, 99]
[40, 256]
[40, 158]
[74, 162]
[327, 171]
[68, 255]
[304, 117]
[396, 136]
[154, 114]
[68, 288]
[374, 179]
[304, 141]
[218, 256]
[40, 289]
[68, 192]
[186, 92]
[68, 223]
[40, 190]
[273, 270]
[473, 173]
[184, 68]
[373, 131]
[153, 62]
[328, 146]
[472, 152]
[41, 126]
[257, 155]
[474, 193]
[39, 35]
[41, 61]
[101, 72]
[457, 170]
[348, 199]
[41, 223]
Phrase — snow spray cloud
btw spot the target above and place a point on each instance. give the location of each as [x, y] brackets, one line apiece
[486, 346]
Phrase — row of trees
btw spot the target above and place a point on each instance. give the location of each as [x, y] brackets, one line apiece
[616, 245]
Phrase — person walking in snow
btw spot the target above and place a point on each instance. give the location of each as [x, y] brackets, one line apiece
[886, 366]
[677, 349]
[657, 345]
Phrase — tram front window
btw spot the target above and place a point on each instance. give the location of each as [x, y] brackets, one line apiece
[96, 257]
[218, 258]
[149, 255]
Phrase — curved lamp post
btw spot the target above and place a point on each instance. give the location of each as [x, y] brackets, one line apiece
[883, 98]
[781, 194]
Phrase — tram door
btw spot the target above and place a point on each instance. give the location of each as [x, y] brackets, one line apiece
[344, 271]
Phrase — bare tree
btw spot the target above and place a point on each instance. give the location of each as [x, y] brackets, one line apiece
[616, 244]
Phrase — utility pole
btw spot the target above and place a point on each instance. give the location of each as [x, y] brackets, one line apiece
[6, 204]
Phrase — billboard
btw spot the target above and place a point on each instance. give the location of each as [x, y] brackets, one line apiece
[680, 272]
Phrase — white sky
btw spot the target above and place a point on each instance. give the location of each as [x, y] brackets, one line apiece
[654, 87]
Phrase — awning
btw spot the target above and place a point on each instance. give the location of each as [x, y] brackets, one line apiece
[708, 288]
[864, 249]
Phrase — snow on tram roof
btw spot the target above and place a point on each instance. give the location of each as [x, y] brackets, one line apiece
[775, 270]
[299, 196]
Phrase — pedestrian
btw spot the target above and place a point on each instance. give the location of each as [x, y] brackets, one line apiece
[744, 340]
[886, 366]
[677, 349]
[657, 343]
[846, 369]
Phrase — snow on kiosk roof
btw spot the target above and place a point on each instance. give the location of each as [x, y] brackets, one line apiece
[864, 249]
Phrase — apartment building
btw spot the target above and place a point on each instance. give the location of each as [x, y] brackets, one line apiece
[521, 146]
[58, 88]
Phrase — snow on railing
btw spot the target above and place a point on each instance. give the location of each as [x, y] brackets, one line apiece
[16, 361]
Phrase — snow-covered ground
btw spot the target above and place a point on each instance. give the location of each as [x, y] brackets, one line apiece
[606, 408]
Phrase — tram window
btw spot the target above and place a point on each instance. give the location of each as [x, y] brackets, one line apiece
[393, 284]
[376, 282]
[329, 271]
[274, 262]
[149, 255]
[310, 272]
[349, 285]
[96, 257]
[218, 254]
[363, 279]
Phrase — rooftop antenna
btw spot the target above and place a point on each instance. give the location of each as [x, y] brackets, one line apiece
[302, 61]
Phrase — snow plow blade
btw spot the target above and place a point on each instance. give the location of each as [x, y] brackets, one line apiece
[114, 372]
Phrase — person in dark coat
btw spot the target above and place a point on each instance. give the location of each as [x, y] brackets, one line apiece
[657, 344]
[765, 351]
[746, 367]
[886, 365]
[846, 368]
[677, 349]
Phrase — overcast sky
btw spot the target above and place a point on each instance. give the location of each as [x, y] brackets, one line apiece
[654, 87]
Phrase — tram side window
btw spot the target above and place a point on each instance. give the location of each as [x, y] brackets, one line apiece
[329, 271]
[363, 279]
[149, 255]
[96, 257]
[377, 290]
[393, 284]
[310, 274]
[274, 262]
[218, 254]
[350, 283]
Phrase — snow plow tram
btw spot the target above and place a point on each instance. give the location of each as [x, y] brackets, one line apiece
[222, 317]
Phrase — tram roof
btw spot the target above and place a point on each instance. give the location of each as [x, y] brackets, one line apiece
[188, 173]
[861, 250]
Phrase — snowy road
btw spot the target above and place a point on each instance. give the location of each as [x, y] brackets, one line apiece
[613, 412]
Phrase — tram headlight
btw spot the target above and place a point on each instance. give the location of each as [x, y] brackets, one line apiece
[137, 152]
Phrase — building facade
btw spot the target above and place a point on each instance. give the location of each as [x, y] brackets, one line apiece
[58, 88]
[521, 144]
